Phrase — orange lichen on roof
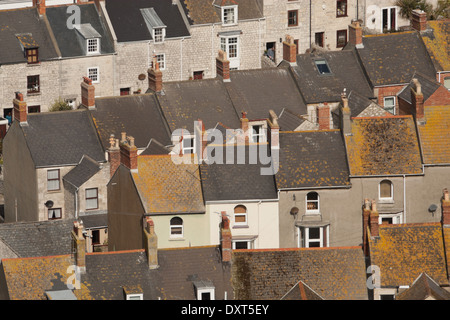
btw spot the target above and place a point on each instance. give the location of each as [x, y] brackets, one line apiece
[434, 135]
[167, 187]
[383, 146]
[439, 44]
[404, 251]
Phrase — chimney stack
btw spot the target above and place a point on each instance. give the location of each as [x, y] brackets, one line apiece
[290, 50]
[355, 34]
[419, 20]
[373, 220]
[417, 100]
[128, 152]
[226, 238]
[79, 244]
[151, 243]
[243, 138]
[113, 155]
[40, 5]
[345, 115]
[20, 109]
[445, 208]
[223, 66]
[274, 130]
[155, 77]
[366, 217]
[324, 116]
[87, 93]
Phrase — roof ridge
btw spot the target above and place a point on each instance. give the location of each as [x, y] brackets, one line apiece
[412, 224]
[298, 249]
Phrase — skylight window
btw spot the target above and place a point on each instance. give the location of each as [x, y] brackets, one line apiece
[322, 66]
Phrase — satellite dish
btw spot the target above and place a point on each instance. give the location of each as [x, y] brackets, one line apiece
[294, 211]
[432, 208]
[49, 204]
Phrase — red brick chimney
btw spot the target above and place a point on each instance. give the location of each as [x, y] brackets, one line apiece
[223, 66]
[290, 50]
[113, 155]
[87, 93]
[20, 109]
[155, 77]
[355, 34]
[40, 5]
[244, 137]
[445, 208]
[79, 244]
[151, 243]
[373, 220]
[323, 116]
[128, 152]
[419, 20]
[225, 238]
[366, 217]
[274, 130]
[417, 99]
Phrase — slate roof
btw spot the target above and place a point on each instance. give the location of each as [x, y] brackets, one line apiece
[108, 274]
[434, 135]
[61, 138]
[70, 40]
[429, 86]
[437, 39]
[35, 239]
[207, 11]
[346, 72]
[91, 221]
[404, 251]
[24, 21]
[234, 181]
[167, 187]
[311, 159]
[301, 291]
[87, 168]
[424, 288]
[289, 121]
[383, 146]
[132, 114]
[129, 24]
[391, 59]
[260, 90]
[333, 273]
[154, 147]
[185, 102]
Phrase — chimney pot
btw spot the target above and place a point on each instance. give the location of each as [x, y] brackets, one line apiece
[374, 223]
[79, 245]
[417, 99]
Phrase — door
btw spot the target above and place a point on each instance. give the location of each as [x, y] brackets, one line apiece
[231, 46]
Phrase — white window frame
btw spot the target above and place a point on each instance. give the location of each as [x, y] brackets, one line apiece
[161, 59]
[97, 70]
[176, 236]
[312, 211]
[59, 180]
[225, 9]
[261, 134]
[393, 106]
[54, 209]
[211, 291]
[159, 38]
[386, 199]
[397, 218]
[89, 207]
[389, 17]
[192, 148]
[225, 45]
[131, 296]
[96, 46]
[250, 243]
[304, 241]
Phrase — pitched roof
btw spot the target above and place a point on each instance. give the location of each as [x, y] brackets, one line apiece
[51, 237]
[87, 168]
[393, 58]
[424, 288]
[129, 23]
[207, 11]
[131, 114]
[311, 159]
[437, 39]
[301, 291]
[404, 251]
[346, 72]
[383, 146]
[27, 22]
[333, 273]
[433, 135]
[62, 138]
[235, 181]
[289, 121]
[167, 187]
[70, 41]
[154, 147]
[429, 86]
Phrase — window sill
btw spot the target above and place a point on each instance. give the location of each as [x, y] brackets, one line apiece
[177, 239]
[31, 94]
[36, 64]
[312, 213]
[344, 16]
[240, 226]
[386, 201]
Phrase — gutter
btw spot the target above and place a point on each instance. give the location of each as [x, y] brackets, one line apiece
[314, 188]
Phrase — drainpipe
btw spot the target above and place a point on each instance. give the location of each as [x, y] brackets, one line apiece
[404, 199]
[76, 203]
[310, 19]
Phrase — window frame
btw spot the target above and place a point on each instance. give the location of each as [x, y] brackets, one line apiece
[91, 198]
[53, 209]
[224, 17]
[338, 13]
[386, 199]
[308, 201]
[54, 179]
[140, 296]
[261, 134]
[389, 21]
[89, 45]
[30, 53]
[290, 22]
[175, 226]
[316, 62]
[240, 214]
[161, 60]
[193, 147]
[338, 32]
[97, 70]
[393, 106]
[304, 240]
[250, 244]
[36, 82]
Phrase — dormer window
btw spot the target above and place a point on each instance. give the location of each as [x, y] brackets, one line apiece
[155, 26]
[32, 55]
[229, 15]
[93, 46]
[90, 39]
[205, 290]
[29, 47]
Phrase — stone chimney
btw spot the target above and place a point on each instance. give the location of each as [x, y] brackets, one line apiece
[244, 137]
[274, 130]
[79, 246]
[155, 77]
[345, 115]
[324, 116]
[128, 152]
[290, 50]
[419, 20]
[225, 233]
[373, 220]
[87, 93]
[20, 109]
[113, 155]
[201, 135]
[355, 34]
[417, 100]
[40, 5]
[445, 203]
[151, 243]
[366, 217]
[223, 66]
